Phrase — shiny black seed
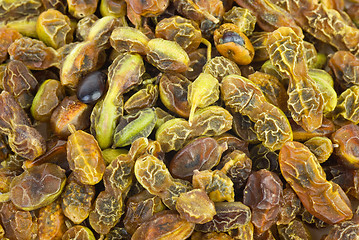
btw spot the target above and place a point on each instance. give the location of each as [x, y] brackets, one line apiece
[91, 87]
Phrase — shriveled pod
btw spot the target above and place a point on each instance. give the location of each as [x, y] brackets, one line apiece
[47, 98]
[200, 154]
[219, 67]
[290, 206]
[237, 166]
[230, 215]
[263, 194]
[211, 121]
[115, 8]
[23, 139]
[129, 39]
[173, 89]
[305, 101]
[347, 141]
[8, 36]
[140, 208]
[19, 81]
[81, 60]
[165, 224]
[233, 143]
[233, 44]
[295, 229]
[167, 55]
[181, 30]
[324, 199]
[51, 221]
[173, 134]
[310, 54]
[143, 98]
[347, 108]
[59, 5]
[124, 74]
[322, 147]
[195, 206]
[18, 224]
[272, 88]
[78, 232]
[217, 185]
[54, 28]
[38, 186]
[134, 126]
[203, 92]
[162, 117]
[33, 53]
[70, 111]
[117, 232]
[83, 26]
[343, 231]
[77, 199]
[271, 124]
[242, 18]
[243, 127]
[82, 8]
[85, 157]
[101, 31]
[26, 26]
[149, 8]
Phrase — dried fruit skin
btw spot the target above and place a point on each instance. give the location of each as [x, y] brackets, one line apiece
[33, 53]
[195, 206]
[77, 200]
[322, 147]
[344, 231]
[219, 67]
[149, 8]
[143, 98]
[82, 8]
[230, 215]
[51, 221]
[37, 186]
[305, 102]
[345, 67]
[173, 90]
[48, 97]
[325, 200]
[8, 36]
[78, 232]
[17, 126]
[263, 194]
[181, 30]
[70, 111]
[164, 225]
[347, 108]
[290, 206]
[347, 139]
[200, 154]
[271, 124]
[167, 55]
[294, 230]
[19, 81]
[54, 28]
[129, 39]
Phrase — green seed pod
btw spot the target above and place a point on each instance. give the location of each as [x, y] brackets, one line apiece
[134, 126]
[49, 95]
[167, 55]
[54, 28]
[203, 92]
[129, 39]
[101, 30]
[124, 73]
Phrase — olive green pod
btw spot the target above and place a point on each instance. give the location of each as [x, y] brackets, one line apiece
[167, 55]
[134, 126]
[129, 39]
[49, 95]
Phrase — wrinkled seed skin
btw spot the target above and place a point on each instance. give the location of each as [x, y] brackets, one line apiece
[7, 36]
[78, 232]
[324, 199]
[51, 221]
